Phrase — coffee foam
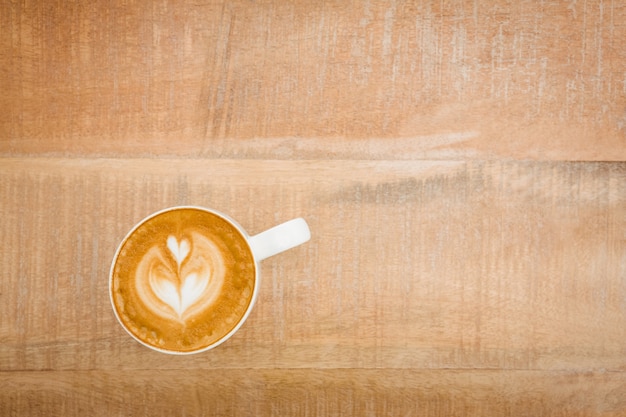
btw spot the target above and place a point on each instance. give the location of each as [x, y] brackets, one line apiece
[183, 279]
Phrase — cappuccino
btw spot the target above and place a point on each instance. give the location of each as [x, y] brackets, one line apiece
[183, 279]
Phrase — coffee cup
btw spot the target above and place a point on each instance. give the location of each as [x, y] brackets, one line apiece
[184, 279]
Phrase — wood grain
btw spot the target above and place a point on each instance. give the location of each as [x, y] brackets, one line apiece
[462, 166]
[514, 265]
[337, 392]
[454, 79]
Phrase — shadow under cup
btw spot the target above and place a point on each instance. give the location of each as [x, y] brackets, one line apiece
[183, 280]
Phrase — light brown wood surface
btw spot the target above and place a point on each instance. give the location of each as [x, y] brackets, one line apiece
[462, 166]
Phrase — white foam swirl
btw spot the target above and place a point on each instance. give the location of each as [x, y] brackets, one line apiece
[180, 250]
[182, 280]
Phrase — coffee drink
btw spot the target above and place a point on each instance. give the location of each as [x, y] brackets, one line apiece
[183, 279]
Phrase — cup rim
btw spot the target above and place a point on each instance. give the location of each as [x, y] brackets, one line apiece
[255, 288]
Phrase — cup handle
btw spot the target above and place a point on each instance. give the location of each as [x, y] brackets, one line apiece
[279, 238]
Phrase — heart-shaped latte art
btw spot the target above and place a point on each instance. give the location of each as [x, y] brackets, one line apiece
[184, 281]
[181, 297]
[179, 250]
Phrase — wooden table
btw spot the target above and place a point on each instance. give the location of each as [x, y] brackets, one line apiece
[461, 165]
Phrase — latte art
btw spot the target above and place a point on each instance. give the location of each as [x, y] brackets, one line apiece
[180, 277]
[182, 280]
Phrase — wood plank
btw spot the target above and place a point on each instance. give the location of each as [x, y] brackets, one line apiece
[412, 265]
[309, 392]
[427, 79]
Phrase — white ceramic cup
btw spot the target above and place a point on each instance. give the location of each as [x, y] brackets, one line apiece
[263, 245]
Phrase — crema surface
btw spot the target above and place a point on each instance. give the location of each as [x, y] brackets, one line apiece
[183, 279]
